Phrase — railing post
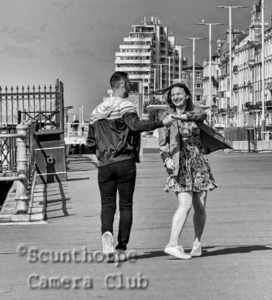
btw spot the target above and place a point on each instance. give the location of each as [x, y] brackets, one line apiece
[21, 197]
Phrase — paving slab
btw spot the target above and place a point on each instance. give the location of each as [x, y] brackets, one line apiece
[61, 259]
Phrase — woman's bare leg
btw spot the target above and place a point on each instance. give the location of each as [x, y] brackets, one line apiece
[199, 204]
[180, 216]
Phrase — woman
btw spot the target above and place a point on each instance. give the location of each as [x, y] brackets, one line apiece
[190, 177]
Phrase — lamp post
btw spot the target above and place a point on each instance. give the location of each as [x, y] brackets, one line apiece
[210, 60]
[160, 77]
[154, 82]
[263, 72]
[82, 114]
[180, 49]
[169, 70]
[230, 8]
[194, 39]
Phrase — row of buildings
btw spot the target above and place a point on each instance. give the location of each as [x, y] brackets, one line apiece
[154, 61]
[244, 107]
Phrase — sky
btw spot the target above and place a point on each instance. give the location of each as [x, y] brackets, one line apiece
[75, 40]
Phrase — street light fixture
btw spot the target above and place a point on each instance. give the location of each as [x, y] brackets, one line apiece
[194, 39]
[230, 8]
[203, 23]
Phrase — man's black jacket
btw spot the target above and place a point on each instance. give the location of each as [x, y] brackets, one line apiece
[114, 140]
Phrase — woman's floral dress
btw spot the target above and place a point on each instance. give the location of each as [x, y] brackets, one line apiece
[194, 171]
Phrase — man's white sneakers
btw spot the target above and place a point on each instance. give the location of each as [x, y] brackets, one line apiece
[107, 243]
[177, 251]
[196, 250]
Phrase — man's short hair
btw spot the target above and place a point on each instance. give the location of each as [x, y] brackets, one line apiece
[116, 78]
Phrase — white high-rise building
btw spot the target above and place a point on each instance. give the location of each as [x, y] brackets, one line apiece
[150, 56]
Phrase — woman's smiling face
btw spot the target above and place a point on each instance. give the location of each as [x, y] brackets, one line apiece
[178, 96]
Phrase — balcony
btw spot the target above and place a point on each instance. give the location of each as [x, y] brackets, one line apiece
[137, 39]
[123, 46]
[133, 69]
[132, 61]
[133, 54]
[252, 106]
[139, 76]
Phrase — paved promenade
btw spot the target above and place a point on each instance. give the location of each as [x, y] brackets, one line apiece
[237, 262]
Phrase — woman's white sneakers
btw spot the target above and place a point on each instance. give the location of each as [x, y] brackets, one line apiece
[196, 250]
[177, 251]
[107, 243]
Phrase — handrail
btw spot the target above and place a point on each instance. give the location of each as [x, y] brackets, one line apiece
[10, 135]
[12, 178]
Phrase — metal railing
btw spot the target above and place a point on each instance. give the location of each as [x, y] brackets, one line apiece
[7, 150]
[42, 104]
[24, 114]
[18, 162]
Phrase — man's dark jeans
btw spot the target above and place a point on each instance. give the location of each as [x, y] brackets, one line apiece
[119, 176]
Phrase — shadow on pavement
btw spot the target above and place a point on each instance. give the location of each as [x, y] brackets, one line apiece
[78, 178]
[234, 250]
[79, 163]
[151, 254]
[207, 251]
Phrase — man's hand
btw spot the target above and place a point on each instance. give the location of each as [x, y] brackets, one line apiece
[183, 117]
[168, 120]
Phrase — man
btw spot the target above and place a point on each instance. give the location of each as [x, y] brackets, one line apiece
[114, 134]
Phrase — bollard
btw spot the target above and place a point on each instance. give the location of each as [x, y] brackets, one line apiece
[21, 197]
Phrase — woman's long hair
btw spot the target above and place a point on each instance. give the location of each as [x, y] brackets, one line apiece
[189, 102]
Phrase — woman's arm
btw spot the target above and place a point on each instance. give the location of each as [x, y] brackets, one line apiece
[164, 137]
[164, 143]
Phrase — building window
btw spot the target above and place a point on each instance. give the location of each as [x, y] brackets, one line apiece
[198, 74]
[198, 97]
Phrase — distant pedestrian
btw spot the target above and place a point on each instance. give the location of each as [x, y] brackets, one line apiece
[190, 176]
[114, 135]
[75, 125]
